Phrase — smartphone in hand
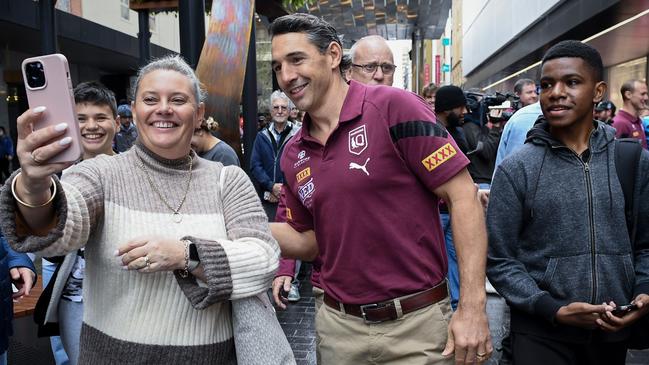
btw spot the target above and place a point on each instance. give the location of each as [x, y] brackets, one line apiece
[47, 82]
[621, 310]
[283, 294]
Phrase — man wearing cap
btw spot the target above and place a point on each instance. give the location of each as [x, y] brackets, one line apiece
[605, 111]
[127, 133]
[363, 180]
[450, 107]
[627, 122]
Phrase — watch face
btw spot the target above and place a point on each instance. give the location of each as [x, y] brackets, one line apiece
[193, 252]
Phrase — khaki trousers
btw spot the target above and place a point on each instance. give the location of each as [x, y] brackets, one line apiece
[415, 338]
[318, 296]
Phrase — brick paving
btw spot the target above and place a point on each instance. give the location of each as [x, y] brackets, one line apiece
[298, 324]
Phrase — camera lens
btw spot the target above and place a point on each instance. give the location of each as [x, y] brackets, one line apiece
[35, 74]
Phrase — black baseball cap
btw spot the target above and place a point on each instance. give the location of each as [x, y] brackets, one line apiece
[604, 105]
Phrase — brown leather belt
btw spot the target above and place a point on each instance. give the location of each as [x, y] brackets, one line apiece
[387, 311]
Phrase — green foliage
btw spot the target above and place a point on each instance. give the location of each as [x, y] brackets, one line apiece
[293, 5]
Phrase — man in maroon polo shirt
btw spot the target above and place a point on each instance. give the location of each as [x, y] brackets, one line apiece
[366, 52]
[627, 122]
[364, 178]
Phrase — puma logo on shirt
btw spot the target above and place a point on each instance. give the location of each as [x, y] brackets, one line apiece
[355, 166]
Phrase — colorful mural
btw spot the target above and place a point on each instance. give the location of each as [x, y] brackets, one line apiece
[222, 64]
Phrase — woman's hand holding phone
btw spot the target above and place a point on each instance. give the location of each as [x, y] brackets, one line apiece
[34, 149]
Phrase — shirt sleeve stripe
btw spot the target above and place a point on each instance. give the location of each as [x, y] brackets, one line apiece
[417, 128]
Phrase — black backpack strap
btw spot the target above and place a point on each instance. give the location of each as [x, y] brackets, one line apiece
[627, 158]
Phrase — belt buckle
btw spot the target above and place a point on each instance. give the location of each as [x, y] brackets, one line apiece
[368, 306]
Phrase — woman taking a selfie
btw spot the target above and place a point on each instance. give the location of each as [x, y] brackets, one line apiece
[165, 251]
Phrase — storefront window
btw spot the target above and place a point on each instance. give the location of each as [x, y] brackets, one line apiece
[618, 74]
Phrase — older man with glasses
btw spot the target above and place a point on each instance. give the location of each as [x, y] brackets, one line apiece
[268, 147]
[372, 61]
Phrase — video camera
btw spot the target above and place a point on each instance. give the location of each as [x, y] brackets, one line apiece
[478, 105]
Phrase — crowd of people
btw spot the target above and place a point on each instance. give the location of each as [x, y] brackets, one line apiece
[417, 213]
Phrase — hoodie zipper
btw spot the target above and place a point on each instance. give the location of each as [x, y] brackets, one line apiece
[591, 220]
[593, 257]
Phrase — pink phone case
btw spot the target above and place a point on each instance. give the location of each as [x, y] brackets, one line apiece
[57, 96]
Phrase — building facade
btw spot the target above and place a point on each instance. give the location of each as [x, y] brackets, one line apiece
[505, 40]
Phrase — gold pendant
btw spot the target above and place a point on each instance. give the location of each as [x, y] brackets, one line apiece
[177, 217]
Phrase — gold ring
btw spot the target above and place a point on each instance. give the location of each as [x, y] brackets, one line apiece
[36, 161]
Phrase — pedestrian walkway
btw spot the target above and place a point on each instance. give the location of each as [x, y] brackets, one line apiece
[298, 322]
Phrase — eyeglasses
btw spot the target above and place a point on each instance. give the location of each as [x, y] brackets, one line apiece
[370, 68]
[280, 107]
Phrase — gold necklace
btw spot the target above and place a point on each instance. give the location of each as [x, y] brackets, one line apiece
[176, 216]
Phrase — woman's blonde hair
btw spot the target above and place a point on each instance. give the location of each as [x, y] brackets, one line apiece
[209, 125]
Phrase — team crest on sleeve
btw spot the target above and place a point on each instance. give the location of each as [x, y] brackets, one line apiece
[438, 157]
[358, 140]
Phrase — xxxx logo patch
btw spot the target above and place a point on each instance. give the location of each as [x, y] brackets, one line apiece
[438, 157]
[300, 176]
[289, 215]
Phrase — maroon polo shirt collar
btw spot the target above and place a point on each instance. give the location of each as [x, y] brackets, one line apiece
[352, 108]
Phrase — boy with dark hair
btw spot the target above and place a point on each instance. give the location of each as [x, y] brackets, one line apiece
[559, 249]
[98, 120]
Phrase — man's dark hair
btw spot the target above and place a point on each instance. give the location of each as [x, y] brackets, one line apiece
[577, 49]
[345, 63]
[628, 86]
[429, 90]
[518, 86]
[93, 92]
[318, 31]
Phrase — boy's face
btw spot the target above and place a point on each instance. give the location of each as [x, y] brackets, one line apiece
[98, 127]
[568, 91]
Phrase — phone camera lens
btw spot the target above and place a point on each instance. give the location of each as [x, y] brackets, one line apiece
[35, 74]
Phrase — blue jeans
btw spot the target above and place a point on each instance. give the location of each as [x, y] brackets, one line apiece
[3, 358]
[60, 357]
[70, 320]
[453, 273]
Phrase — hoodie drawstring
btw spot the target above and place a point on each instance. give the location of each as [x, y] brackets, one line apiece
[530, 208]
[608, 173]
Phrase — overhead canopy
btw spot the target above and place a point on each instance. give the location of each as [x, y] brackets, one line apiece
[392, 19]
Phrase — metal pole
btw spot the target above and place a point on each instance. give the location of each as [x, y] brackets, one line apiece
[192, 29]
[144, 36]
[48, 26]
[249, 101]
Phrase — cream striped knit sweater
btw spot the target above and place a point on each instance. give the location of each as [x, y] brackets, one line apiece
[132, 317]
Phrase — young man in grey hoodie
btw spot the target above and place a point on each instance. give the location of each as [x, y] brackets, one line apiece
[559, 249]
